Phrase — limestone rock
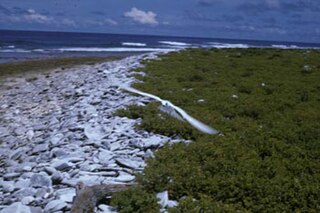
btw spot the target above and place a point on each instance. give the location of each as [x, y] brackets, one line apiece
[106, 209]
[94, 133]
[129, 163]
[164, 201]
[40, 148]
[27, 200]
[40, 180]
[17, 207]
[55, 205]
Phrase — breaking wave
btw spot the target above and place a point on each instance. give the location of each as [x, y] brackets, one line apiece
[227, 45]
[279, 46]
[15, 51]
[112, 49]
[134, 44]
[174, 43]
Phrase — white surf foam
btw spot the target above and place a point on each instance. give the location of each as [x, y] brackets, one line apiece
[40, 50]
[14, 51]
[113, 49]
[279, 46]
[227, 45]
[134, 44]
[282, 46]
[174, 43]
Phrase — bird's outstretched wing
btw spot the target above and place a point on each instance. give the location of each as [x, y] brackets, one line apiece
[194, 122]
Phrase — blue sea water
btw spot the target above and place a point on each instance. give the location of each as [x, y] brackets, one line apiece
[24, 45]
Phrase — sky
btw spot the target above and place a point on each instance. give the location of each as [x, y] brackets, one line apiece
[283, 20]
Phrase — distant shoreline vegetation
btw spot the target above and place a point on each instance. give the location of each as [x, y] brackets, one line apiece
[40, 65]
[266, 104]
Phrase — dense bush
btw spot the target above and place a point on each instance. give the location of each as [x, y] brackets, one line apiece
[135, 200]
[267, 158]
[156, 121]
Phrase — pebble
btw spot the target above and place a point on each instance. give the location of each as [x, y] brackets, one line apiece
[24, 192]
[94, 133]
[55, 205]
[163, 198]
[30, 134]
[20, 131]
[153, 142]
[57, 178]
[235, 96]
[50, 170]
[7, 186]
[17, 207]
[148, 154]
[62, 165]
[130, 163]
[106, 209]
[27, 200]
[36, 209]
[105, 156]
[66, 194]
[124, 177]
[40, 148]
[10, 176]
[27, 168]
[22, 183]
[164, 201]
[40, 180]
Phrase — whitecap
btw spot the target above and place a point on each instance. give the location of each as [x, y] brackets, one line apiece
[282, 46]
[14, 51]
[174, 43]
[227, 45]
[113, 49]
[134, 44]
[39, 50]
[279, 46]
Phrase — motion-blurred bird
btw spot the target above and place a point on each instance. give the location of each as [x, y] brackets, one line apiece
[194, 122]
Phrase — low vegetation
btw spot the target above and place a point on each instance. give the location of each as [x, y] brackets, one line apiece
[264, 102]
[10, 68]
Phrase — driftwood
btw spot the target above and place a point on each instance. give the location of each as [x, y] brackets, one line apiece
[87, 197]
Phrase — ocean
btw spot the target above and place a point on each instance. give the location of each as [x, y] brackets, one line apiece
[25, 45]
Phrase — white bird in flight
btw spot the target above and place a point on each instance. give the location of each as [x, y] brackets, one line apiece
[194, 122]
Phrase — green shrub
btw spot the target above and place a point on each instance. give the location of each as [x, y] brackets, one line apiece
[135, 200]
[267, 158]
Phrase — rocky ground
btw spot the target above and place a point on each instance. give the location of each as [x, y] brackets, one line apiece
[58, 128]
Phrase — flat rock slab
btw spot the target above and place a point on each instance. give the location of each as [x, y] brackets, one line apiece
[40, 180]
[129, 163]
[55, 205]
[40, 148]
[17, 207]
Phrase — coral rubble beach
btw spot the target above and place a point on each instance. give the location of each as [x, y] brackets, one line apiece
[66, 126]
[59, 128]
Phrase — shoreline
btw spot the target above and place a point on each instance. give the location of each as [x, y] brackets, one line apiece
[12, 57]
[245, 93]
[44, 64]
